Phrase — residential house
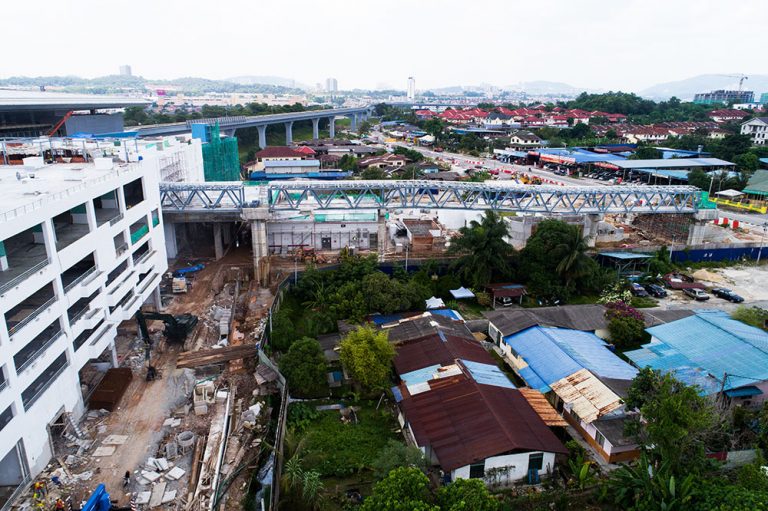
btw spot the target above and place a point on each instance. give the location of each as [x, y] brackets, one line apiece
[727, 115]
[713, 351]
[380, 162]
[465, 415]
[523, 140]
[497, 120]
[424, 236]
[271, 154]
[756, 129]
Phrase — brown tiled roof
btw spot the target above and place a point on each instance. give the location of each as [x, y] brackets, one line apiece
[438, 349]
[278, 152]
[465, 422]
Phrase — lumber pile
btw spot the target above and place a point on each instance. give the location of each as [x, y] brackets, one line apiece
[215, 356]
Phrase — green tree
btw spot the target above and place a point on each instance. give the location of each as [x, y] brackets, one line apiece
[348, 162]
[575, 261]
[646, 486]
[754, 316]
[626, 333]
[373, 174]
[676, 421]
[304, 367]
[364, 128]
[699, 179]
[367, 355]
[484, 253]
[404, 489]
[644, 153]
[396, 454]
[466, 495]
[386, 295]
[283, 330]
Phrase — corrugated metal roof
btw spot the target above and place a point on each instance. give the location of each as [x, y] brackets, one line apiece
[711, 342]
[554, 353]
[662, 163]
[414, 328]
[487, 374]
[542, 408]
[431, 350]
[465, 422]
[586, 396]
[578, 317]
[419, 375]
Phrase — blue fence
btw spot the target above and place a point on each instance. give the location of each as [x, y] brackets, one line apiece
[698, 255]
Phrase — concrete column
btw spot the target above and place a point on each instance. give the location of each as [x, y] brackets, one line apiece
[353, 118]
[91, 212]
[289, 133]
[48, 236]
[226, 233]
[382, 233]
[218, 244]
[315, 129]
[260, 252]
[113, 354]
[262, 136]
[157, 299]
[591, 224]
[698, 228]
[171, 246]
[331, 127]
[230, 132]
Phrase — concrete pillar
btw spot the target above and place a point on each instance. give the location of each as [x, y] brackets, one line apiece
[218, 244]
[315, 129]
[171, 245]
[258, 218]
[3, 257]
[230, 132]
[113, 354]
[262, 136]
[157, 299]
[331, 127]
[289, 133]
[698, 228]
[382, 233]
[591, 224]
[226, 233]
[353, 118]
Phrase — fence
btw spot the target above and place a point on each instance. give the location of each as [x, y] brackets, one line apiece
[740, 205]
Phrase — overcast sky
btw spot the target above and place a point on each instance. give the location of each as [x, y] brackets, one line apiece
[606, 44]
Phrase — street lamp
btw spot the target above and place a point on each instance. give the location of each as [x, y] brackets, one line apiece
[762, 241]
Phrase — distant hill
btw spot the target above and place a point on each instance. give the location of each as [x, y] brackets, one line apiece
[117, 83]
[546, 87]
[265, 80]
[686, 89]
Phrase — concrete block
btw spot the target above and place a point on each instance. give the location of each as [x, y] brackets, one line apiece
[175, 474]
[150, 475]
[142, 498]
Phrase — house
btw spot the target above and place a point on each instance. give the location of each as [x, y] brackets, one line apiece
[465, 415]
[380, 162]
[404, 330]
[727, 115]
[713, 351]
[587, 318]
[424, 114]
[522, 140]
[581, 378]
[497, 120]
[273, 153]
[757, 129]
[424, 235]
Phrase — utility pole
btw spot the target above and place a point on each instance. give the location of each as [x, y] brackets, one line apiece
[762, 242]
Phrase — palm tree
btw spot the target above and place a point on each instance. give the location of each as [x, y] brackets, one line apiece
[486, 253]
[574, 262]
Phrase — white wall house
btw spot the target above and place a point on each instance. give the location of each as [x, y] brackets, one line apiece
[757, 130]
[507, 469]
[81, 248]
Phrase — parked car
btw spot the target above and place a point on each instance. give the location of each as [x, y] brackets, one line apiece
[656, 290]
[696, 294]
[637, 290]
[727, 294]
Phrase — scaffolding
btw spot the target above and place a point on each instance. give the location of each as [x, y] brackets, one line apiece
[221, 161]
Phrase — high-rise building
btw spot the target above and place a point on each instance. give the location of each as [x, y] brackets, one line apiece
[125, 71]
[331, 85]
[411, 87]
[724, 96]
[77, 257]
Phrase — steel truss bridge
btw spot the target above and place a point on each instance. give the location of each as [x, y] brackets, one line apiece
[423, 194]
[499, 196]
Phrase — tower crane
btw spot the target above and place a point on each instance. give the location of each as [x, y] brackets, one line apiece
[741, 78]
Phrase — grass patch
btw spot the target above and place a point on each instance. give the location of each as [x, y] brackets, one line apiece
[643, 302]
[583, 300]
[336, 449]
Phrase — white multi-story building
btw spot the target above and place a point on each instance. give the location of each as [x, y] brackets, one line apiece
[81, 249]
[411, 94]
[757, 129]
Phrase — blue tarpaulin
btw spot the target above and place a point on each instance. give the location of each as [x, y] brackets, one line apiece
[487, 374]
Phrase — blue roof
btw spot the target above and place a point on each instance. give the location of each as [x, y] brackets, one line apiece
[709, 341]
[420, 375]
[581, 155]
[749, 390]
[554, 353]
[666, 174]
[292, 163]
[625, 255]
[324, 174]
[448, 313]
[487, 374]
[398, 395]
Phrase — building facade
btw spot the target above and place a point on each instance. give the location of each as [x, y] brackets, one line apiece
[724, 96]
[756, 129]
[82, 249]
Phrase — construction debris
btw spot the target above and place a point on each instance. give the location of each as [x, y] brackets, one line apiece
[215, 356]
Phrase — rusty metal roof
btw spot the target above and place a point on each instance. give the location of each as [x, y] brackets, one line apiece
[586, 396]
[409, 329]
[542, 407]
[577, 317]
[438, 349]
[465, 422]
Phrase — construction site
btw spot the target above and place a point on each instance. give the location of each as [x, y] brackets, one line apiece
[185, 420]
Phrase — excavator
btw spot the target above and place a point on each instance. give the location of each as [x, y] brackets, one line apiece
[177, 328]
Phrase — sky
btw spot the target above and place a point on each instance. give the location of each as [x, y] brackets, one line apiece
[597, 44]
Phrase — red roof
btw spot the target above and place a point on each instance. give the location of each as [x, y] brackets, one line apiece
[305, 150]
[728, 112]
[432, 349]
[465, 422]
[278, 152]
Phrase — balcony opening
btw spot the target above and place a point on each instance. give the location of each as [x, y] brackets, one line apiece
[38, 387]
[6, 417]
[78, 272]
[117, 272]
[78, 309]
[155, 218]
[121, 246]
[134, 193]
[70, 226]
[36, 347]
[86, 334]
[20, 256]
[139, 229]
[13, 474]
[3, 378]
[29, 308]
[93, 373]
[107, 208]
[125, 299]
[140, 252]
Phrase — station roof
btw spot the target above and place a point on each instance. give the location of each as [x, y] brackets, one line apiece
[666, 173]
[625, 255]
[672, 163]
[14, 100]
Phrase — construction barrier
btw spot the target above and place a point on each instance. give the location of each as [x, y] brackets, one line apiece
[740, 205]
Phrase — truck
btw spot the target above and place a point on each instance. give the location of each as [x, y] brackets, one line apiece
[179, 285]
